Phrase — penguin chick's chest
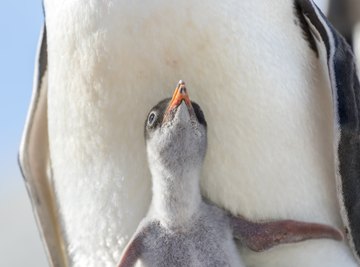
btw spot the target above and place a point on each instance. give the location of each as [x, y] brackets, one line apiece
[205, 241]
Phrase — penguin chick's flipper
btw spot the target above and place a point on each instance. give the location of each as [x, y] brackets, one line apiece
[133, 250]
[259, 236]
[345, 89]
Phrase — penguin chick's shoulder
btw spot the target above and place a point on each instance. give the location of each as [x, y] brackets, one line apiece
[181, 229]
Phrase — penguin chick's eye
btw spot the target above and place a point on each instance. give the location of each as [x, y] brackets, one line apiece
[151, 118]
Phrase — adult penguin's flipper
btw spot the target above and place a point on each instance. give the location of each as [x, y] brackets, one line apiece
[34, 162]
[345, 90]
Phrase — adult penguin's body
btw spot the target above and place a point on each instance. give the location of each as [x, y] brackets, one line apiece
[271, 119]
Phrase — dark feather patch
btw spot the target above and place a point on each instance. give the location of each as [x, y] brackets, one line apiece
[346, 93]
[305, 28]
[199, 114]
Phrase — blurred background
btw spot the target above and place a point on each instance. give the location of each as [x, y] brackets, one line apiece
[20, 24]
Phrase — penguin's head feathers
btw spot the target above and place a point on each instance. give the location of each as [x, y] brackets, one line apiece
[175, 133]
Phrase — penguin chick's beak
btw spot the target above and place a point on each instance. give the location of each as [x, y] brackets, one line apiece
[180, 94]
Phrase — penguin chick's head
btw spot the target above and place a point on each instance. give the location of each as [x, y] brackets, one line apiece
[175, 134]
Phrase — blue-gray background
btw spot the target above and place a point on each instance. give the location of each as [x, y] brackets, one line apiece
[20, 23]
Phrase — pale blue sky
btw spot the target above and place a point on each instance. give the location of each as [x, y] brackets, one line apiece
[20, 23]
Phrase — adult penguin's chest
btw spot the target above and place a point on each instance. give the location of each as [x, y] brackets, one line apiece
[270, 120]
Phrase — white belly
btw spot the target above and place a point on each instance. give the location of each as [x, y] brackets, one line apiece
[263, 93]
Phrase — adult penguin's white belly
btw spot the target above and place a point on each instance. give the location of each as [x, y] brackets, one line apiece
[270, 120]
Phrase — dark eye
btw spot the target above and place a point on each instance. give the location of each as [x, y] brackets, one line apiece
[151, 118]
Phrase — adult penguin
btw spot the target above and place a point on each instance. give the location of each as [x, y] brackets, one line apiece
[283, 131]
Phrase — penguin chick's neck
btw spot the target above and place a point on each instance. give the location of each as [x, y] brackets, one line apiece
[176, 194]
[176, 140]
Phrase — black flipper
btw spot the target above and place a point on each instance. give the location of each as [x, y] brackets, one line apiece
[346, 102]
[259, 236]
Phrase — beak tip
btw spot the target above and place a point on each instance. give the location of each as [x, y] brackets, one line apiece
[181, 87]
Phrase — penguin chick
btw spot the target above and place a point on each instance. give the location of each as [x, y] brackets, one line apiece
[181, 229]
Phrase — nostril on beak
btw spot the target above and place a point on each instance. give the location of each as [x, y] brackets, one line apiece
[182, 90]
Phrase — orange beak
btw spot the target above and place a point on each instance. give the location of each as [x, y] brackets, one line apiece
[179, 95]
